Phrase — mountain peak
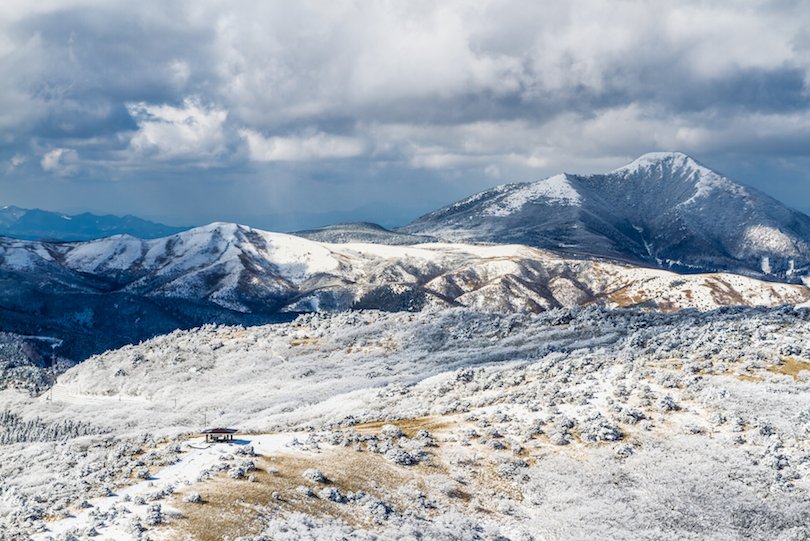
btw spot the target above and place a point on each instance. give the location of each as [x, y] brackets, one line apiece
[664, 208]
[556, 190]
[670, 160]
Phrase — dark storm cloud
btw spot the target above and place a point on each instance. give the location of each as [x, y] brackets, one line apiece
[259, 105]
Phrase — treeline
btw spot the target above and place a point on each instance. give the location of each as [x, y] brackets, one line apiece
[15, 429]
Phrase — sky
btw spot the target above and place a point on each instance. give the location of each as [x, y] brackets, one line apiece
[286, 115]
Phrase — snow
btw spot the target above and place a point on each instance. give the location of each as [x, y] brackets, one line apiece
[119, 252]
[706, 181]
[676, 425]
[762, 239]
[655, 159]
[556, 189]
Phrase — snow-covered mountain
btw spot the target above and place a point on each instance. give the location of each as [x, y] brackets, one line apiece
[109, 292]
[664, 209]
[37, 224]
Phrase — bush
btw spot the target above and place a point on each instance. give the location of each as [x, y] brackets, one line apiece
[193, 497]
[314, 475]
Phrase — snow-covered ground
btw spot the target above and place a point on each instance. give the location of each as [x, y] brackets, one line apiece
[573, 424]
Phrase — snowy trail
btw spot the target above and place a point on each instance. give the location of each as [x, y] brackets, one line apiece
[116, 526]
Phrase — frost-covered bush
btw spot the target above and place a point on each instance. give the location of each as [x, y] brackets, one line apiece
[513, 469]
[596, 428]
[193, 497]
[332, 494]
[400, 456]
[245, 450]
[391, 432]
[667, 403]
[237, 472]
[154, 515]
[314, 475]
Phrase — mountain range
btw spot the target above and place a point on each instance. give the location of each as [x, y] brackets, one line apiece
[663, 209]
[610, 240]
[102, 294]
[36, 224]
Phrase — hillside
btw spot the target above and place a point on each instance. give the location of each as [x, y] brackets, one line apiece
[452, 424]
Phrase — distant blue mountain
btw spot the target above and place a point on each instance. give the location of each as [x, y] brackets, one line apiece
[36, 224]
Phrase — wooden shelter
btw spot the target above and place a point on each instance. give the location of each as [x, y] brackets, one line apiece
[219, 434]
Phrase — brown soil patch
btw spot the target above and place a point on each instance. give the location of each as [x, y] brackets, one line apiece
[623, 297]
[723, 294]
[303, 342]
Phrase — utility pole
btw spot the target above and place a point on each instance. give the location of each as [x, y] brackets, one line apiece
[53, 371]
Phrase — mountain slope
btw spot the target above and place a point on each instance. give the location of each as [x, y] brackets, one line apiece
[36, 224]
[664, 209]
[588, 423]
[109, 292]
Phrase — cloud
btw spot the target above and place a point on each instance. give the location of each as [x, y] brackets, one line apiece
[16, 161]
[315, 146]
[60, 161]
[359, 94]
[189, 132]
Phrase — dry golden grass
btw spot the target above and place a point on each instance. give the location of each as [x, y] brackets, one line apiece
[749, 378]
[624, 297]
[234, 508]
[385, 345]
[411, 426]
[304, 342]
[790, 366]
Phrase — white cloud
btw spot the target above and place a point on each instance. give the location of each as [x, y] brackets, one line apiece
[15, 161]
[190, 132]
[314, 146]
[60, 161]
